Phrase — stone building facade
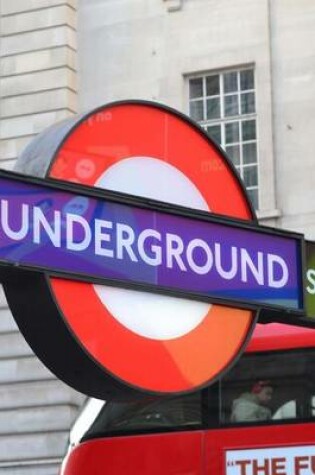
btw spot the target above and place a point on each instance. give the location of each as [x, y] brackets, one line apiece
[244, 69]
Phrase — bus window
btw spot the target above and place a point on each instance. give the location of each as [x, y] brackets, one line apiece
[149, 414]
[264, 387]
[289, 374]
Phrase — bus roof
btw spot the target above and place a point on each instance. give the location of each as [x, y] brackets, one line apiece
[277, 336]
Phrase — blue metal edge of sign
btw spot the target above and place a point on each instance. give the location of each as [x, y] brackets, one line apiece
[10, 269]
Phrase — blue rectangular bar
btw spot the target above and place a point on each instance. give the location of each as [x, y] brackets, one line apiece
[44, 227]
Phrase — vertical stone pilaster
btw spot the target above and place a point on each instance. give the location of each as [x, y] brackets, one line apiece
[37, 70]
[37, 89]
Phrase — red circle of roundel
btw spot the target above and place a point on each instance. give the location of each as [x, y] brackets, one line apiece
[104, 138]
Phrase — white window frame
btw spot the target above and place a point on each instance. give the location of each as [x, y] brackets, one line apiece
[239, 118]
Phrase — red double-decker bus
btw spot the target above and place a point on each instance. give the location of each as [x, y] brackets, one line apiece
[202, 433]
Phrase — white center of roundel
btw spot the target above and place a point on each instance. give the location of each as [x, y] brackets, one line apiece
[150, 315]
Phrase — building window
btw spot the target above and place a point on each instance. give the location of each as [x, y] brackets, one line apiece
[224, 104]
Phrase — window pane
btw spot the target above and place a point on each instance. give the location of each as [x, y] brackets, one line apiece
[249, 153]
[290, 375]
[250, 175]
[213, 108]
[248, 103]
[230, 82]
[196, 110]
[233, 152]
[148, 413]
[195, 88]
[249, 130]
[213, 85]
[215, 133]
[253, 196]
[247, 79]
[232, 132]
[230, 105]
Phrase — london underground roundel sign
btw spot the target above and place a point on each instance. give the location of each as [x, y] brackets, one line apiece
[101, 339]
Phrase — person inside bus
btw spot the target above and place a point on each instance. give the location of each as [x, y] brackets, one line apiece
[253, 405]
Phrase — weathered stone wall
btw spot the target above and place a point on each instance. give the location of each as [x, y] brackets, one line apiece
[37, 68]
[37, 88]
